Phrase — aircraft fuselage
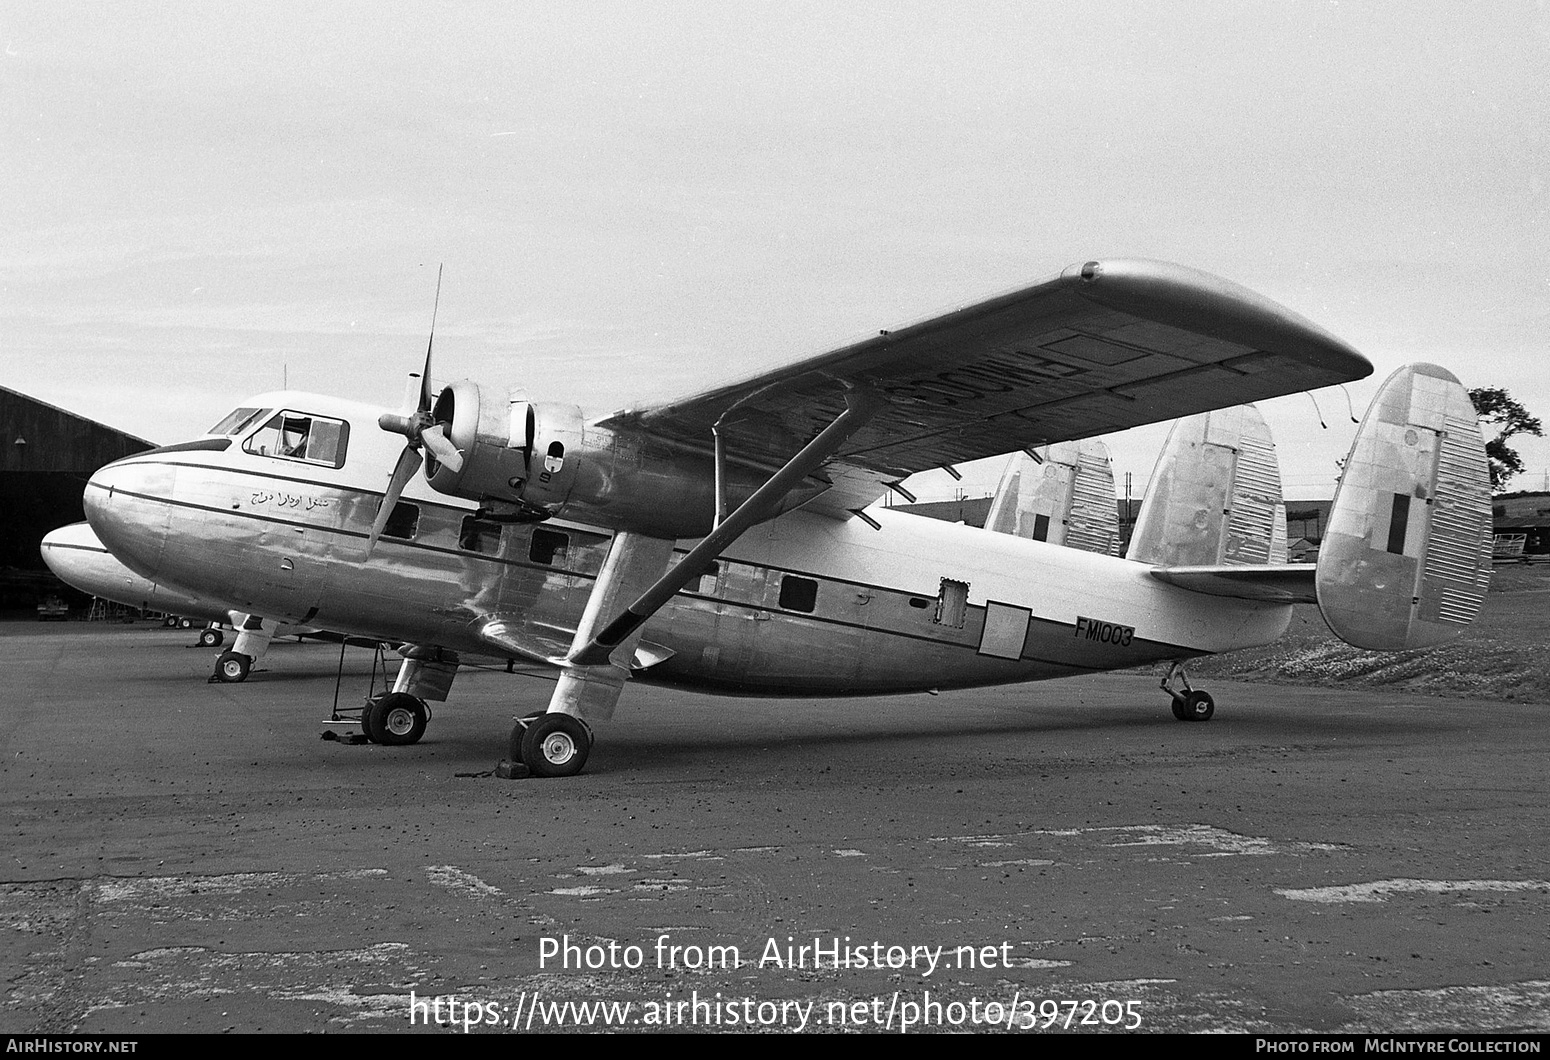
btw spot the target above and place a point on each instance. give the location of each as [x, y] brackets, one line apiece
[801, 605]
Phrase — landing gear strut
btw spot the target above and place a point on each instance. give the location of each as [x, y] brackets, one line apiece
[1191, 704]
[398, 717]
[551, 745]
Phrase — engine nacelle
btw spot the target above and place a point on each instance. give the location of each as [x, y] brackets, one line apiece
[509, 456]
[540, 460]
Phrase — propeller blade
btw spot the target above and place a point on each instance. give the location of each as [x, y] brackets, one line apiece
[414, 388]
[425, 376]
[408, 463]
[435, 439]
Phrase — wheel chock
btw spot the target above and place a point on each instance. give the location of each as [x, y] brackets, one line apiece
[509, 770]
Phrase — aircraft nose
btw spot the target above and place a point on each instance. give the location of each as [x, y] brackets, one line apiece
[60, 546]
[126, 506]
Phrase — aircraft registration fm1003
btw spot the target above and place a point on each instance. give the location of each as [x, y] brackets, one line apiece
[728, 542]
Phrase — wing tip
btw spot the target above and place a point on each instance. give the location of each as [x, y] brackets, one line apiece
[1192, 298]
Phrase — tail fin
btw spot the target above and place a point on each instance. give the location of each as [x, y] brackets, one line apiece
[1406, 560]
[1215, 495]
[1063, 494]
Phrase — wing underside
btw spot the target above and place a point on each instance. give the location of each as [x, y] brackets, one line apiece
[1102, 347]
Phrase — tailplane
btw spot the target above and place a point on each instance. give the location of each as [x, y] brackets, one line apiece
[1063, 494]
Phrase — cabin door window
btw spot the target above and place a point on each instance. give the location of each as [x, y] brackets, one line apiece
[952, 604]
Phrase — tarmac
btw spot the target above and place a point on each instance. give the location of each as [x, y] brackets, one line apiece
[184, 856]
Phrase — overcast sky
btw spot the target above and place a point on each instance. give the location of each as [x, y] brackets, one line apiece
[632, 200]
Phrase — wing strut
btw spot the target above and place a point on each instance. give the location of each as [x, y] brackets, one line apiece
[721, 474]
[860, 406]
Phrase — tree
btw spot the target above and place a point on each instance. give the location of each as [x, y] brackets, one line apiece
[1497, 409]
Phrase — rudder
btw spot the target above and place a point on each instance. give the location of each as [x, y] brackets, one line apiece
[1406, 560]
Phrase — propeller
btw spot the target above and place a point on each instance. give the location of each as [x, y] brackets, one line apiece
[418, 425]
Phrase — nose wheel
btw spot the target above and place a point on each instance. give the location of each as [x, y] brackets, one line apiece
[552, 744]
[1189, 704]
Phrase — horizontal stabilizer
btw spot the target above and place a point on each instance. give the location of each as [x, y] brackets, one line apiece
[1287, 583]
[1062, 494]
[1407, 556]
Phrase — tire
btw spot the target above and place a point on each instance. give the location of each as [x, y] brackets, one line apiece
[366, 716]
[185, 623]
[232, 667]
[514, 746]
[1199, 706]
[555, 745]
[395, 720]
[1180, 711]
[211, 638]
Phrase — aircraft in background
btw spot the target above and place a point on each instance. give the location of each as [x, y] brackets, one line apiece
[1063, 494]
[80, 560]
[728, 542]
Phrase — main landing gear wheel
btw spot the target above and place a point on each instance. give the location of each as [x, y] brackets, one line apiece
[395, 720]
[210, 638]
[232, 667]
[552, 744]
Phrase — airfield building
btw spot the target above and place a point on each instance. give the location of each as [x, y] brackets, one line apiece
[46, 456]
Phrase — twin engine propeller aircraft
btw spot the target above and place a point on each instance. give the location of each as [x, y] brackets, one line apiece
[728, 542]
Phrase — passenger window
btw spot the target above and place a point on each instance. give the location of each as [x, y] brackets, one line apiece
[586, 552]
[952, 603]
[404, 521]
[548, 547]
[298, 436]
[798, 594]
[480, 535]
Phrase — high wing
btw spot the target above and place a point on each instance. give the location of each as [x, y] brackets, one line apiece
[1103, 346]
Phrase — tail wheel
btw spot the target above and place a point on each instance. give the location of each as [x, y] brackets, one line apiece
[1198, 706]
[553, 745]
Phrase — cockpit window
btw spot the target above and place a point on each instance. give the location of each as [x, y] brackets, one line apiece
[236, 422]
[299, 436]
